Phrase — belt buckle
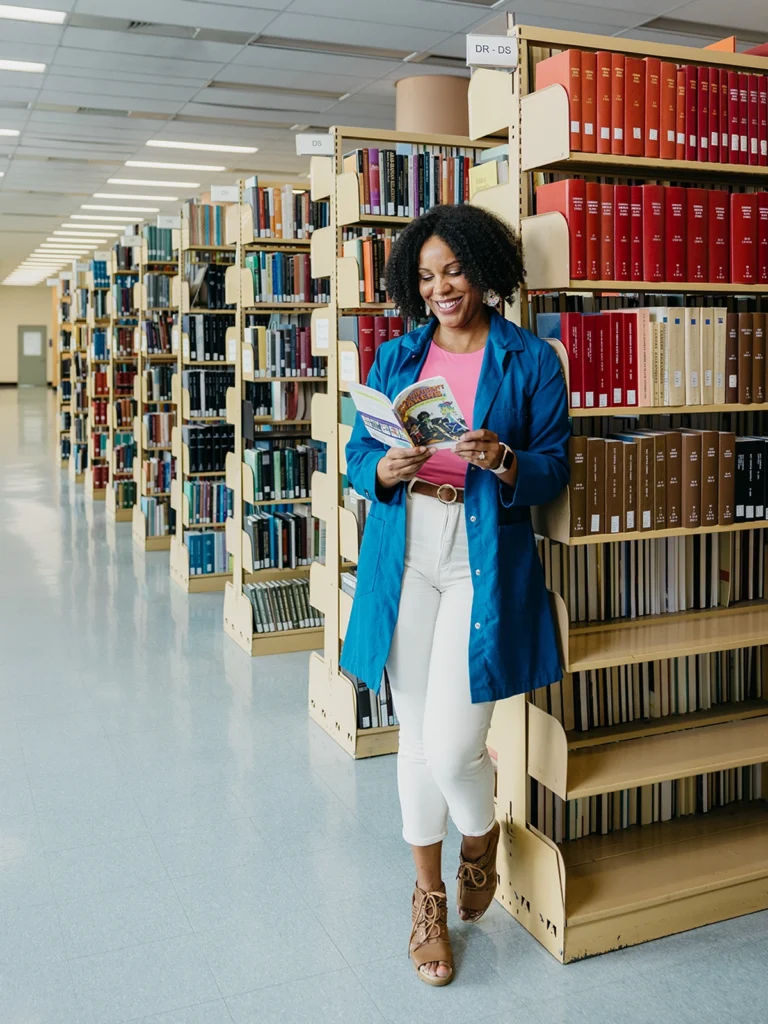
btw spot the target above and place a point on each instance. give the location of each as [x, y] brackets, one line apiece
[447, 501]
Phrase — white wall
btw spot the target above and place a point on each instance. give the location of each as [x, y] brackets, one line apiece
[21, 306]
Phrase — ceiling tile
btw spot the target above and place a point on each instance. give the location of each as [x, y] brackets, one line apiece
[746, 14]
[426, 14]
[217, 15]
[356, 33]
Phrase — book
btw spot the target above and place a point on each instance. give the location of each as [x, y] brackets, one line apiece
[606, 232]
[707, 335]
[714, 115]
[733, 117]
[604, 101]
[571, 335]
[423, 414]
[653, 232]
[753, 120]
[719, 231]
[743, 80]
[745, 357]
[565, 69]
[732, 358]
[702, 115]
[636, 232]
[762, 237]
[726, 478]
[577, 452]
[588, 101]
[692, 356]
[680, 102]
[675, 209]
[743, 238]
[720, 345]
[652, 104]
[622, 249]
[691, 478]
[595, 485]
[617, 103]
[614, 486]
[634, 106]
[758, 357]
[667, 107]
[696, 227]
[568, 197]
[691, 111]
[592, 230]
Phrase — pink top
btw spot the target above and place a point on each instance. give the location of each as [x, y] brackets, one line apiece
[462, 371]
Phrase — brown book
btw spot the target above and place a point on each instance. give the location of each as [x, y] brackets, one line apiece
[745, 358]
[758, 357]
[731, 358]
[726, 477]
[645, 493]
[710, 457]
[577, 453]
[674, 479]
[659, 478]
[595, 485]
[691, 454]
[630, 450]
[614, 486]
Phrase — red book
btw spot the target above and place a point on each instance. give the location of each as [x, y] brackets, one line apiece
[636, 232]
[733, 116]
[667, 108]
[691, 112]
[652, 106]
[395, 324]
[629, 362]
[762, 120]
[762, 237]
[622, 249]
[606, 232]
[714, 115]
[616, 358]
[380, 331]
[593, 231]
[696, 242]
[725, 138]
[653, 232]
[604, 88]
[743, 118]
[719, 235]
[565, 69]
[753, 120]
[589, 360]
[571, 335]
[617, 104]
[602, 337]
[568, 197]
[366, 345]
[743, 238]
[674, 216]
[702, 115]
[588, 102]
[634, 106]
[680, 116]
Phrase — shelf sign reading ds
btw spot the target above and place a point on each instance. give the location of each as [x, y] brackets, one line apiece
[492, 51]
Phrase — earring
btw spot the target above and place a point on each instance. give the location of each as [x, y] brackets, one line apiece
[491, 298]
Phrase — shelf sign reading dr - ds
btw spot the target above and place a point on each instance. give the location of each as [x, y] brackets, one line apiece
[492, 51]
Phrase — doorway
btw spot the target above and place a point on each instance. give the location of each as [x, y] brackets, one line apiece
[33, 349]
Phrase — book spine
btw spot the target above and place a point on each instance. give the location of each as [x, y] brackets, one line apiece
[617, 103]
[571, 333]
[743, 238]
[622, 249]
[691, 112]
[604, 101]
[719, 232]
[745, 358]
[634, 106]
[614, 486]
[588, 102]
[758, 357]
[732, 358]
[734, 143]
[595, 485]
[630, 358]
[636, 232]
[674, 482]
[691, 476]
[680, 100]
[675, 214]
[726, 478]
[743, 118]
[653, 232]
[578, 485]
[762, 237]
[762, 120]
[696, 217]
[714, 115]
[606, 232]
[753, 120]
[667, 106]
[702, 115]
[592, 230]
[652, 105]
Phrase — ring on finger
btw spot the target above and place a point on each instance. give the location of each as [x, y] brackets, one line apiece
[481, 456]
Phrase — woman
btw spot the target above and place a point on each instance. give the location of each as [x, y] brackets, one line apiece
[450, 593]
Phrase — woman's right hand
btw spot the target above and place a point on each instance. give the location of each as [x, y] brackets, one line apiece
[400, 465]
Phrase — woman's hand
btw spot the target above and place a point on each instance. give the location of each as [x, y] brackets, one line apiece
[481, 448]
[400, 464]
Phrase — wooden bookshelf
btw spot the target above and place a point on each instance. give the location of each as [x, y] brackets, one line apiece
[97, 323]
[580, 897]
[63, 299]
[239, 622]
[143, 533]
[78, 375]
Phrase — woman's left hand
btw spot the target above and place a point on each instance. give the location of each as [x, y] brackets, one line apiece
[480, 448]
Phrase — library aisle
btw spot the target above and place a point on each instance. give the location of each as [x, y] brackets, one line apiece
[179, 844]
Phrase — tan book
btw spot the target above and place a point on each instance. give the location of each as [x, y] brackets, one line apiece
[758, 357]
[720, 348]
[676, 346]
[726, 477]
[707, 335]
[692, 328]
[691, 454]
[745, 358]
[674, 479]
[644, 358]
[596, 485]
[614, 486]
[577, 453]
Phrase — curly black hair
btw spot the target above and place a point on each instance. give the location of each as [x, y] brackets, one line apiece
[489, 251]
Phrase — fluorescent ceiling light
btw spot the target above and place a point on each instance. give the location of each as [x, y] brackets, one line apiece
[128, 195]
[22, 65]
[208, 147]
[137, 209]
[153, 184]
[100, 217]
[32, 14]
[174, 167]
[80, 239]
[9, 131]
[97, 228]
[2, 174]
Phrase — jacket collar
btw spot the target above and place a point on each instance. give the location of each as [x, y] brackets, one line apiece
[503, 334]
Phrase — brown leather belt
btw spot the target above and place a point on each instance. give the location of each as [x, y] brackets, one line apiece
[446, 493]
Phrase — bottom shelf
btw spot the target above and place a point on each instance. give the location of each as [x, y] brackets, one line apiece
[180, 574]
[238, 624]
[140, 537]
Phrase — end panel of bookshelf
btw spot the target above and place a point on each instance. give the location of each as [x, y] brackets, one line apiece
[323, 416]
[323, 499]
[499, 199]
[323, 586]
[322, 252]
[321, 176]
[345, 433]
[238, 617]
[349, 545]
[345, 610]
[140, 536]
[492, 107]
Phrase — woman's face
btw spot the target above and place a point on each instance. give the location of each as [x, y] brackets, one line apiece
[442, 284]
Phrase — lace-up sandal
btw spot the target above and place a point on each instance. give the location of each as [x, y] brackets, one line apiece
[430, 942]
[478, 880]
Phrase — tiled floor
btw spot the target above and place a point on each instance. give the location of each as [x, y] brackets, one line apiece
[178, 845]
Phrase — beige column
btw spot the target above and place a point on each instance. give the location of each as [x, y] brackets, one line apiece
[435, 104]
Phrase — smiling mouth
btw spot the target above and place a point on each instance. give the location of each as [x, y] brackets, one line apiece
[448, 306]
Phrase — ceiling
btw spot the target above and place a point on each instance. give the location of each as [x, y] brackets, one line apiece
[245, 72]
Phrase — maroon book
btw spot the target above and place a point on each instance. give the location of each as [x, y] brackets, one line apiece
[743, 118]
[653, 232]
[753, 120]
[719, 236]
[762, 120]
[652, 106]
[674, 216]
[568, 197]
[762, 237]
[602, 360]
[571, 334]
[725, 144]
[593, 231]
[733, 116]
[629, 358]
[616, 358]
[395, 325]
[702, 115]
[714, 115]
[380, 331]
[618, 86]
[589, 360]
[691, 112]
[696, 242]
[606, 232]
[743, 238]
[622, 249]
[634, 106]
[366, 345]
[636, 232]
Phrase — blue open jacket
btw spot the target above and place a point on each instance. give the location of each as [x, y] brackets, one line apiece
[521, 396]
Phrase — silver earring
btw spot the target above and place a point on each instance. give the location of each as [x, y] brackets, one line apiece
[491, 298]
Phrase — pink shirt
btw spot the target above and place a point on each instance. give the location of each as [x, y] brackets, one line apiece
[462, 371]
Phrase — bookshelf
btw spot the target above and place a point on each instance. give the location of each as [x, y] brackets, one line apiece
[332, 696]
[64, 374]
[98, 341]
[78, 375]
[201, 244]
[156, 344]
[123, 321]
[239, 615]
[579, 897]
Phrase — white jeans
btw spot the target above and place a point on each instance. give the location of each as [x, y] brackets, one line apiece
[443, 763]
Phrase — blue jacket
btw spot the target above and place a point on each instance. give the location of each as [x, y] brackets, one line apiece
[521, 395]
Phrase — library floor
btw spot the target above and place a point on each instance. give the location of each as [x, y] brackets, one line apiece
[178, 845]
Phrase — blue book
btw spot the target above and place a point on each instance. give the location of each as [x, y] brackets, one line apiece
[208, 552]
[548, 325]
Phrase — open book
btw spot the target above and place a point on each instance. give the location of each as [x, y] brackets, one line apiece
[425, 413]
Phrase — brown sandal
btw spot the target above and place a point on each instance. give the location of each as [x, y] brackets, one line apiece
[478, 879]
[430, 941]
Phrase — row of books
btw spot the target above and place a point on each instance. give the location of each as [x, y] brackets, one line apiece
[207, 337]
[157, 380]
[65, 389]
[208, 446]
[65, 421]
[207, 288]
[65, 448]
[99, 347]
[660, 232]
[374, 711]
[282, 605]
[283, 351]
[209, 501]
[207, 390]
[206, 222]
[125, 493]
[158, 290]
[369, 333]
[122, 296]
[371, 254]
[160, 517]
[157, 473]
[79, 400]
[159, 244]
[158, 427]
[661, 801]
[123, 377]
[275, 400]
[100, 477]
[124, 411]
[283, 470]
[99, 303]
[283, 212]
[207, 552]
[80, 310]
[123, 341]
[123, 452]
[158, 334]
[79, 434]
[653, 108]
[285, 277]
[125, 255]
[100, 384]
[410, 179]
[100, 271]
[282, 537]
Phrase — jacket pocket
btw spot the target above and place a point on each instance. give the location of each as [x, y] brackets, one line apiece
[370, 552]
[520, 570]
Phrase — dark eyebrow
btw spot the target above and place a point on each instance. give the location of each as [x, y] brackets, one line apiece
[453, 263]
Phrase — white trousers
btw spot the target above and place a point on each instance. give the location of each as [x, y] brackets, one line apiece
[443, 764]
